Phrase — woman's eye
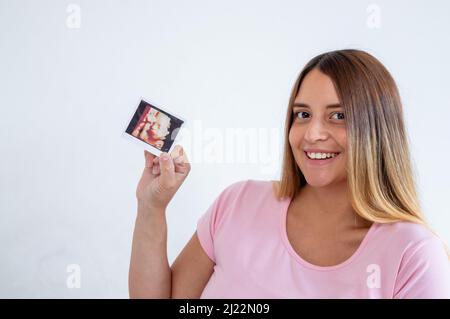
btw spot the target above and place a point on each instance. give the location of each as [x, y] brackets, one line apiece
[341, 117]
[301, 114]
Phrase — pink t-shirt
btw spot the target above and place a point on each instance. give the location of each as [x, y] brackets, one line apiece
[244, 233]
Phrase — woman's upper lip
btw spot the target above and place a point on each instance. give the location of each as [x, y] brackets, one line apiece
[316, 150]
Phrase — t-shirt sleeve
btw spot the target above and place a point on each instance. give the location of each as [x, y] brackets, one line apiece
[207, 224]
[205, 230]
[424, 272]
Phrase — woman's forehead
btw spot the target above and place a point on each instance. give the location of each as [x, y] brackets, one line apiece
[317, 89]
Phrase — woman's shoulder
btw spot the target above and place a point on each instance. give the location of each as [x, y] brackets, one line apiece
[251, 185]
[407, 230]
[243, 200]
[249, 190]
[409, 236]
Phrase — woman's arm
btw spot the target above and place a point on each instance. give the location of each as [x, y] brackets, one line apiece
[191, 271]
[150, 274]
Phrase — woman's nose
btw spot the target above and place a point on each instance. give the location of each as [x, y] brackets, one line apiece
[316, 131]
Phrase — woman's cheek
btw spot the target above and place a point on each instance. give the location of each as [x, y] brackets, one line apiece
[295, 136]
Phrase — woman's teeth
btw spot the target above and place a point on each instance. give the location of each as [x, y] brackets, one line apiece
[321, 155]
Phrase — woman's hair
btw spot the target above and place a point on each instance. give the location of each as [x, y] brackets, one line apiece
[379, 175]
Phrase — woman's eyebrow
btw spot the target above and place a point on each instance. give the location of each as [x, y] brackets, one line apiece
[329, 106]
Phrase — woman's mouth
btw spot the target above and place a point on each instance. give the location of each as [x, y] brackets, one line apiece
[320, 159]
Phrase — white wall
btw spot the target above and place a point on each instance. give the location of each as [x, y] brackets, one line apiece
[67, 178]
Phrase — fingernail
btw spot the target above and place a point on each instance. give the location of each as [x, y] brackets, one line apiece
[164, 156]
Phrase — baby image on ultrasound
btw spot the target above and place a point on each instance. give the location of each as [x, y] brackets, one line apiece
[153, 127]
[156, 127]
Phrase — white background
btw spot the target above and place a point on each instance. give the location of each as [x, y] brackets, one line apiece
[67, 178]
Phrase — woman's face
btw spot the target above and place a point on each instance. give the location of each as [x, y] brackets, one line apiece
[320, 130]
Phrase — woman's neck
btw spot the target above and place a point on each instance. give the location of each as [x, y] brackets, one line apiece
[330, 204]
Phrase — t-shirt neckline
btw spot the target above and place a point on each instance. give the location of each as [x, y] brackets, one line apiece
[299, 259]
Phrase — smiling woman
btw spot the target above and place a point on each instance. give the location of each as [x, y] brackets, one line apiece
[343, 221]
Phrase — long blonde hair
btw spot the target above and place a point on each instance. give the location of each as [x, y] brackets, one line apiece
[379, 174]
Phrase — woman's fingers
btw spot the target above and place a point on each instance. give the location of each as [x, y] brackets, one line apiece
[179, 163]
[167, 178]
[182, 164]
[148, 159]
[179, 160]
[177, 151]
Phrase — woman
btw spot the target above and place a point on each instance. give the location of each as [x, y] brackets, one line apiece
[343, 221]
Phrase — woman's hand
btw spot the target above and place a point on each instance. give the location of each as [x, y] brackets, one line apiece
[162, 178]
